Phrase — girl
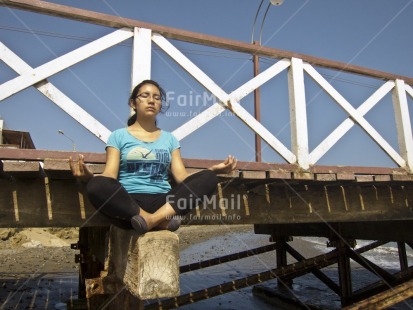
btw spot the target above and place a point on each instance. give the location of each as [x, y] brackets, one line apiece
[133, 190]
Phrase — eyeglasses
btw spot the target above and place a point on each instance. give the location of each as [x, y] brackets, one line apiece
[148, 95]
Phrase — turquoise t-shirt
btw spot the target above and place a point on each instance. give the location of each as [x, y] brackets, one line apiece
[144, 166]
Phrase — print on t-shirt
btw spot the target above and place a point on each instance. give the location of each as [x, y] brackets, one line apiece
[150, 163]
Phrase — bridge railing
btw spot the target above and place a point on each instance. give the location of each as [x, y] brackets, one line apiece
[145, 36]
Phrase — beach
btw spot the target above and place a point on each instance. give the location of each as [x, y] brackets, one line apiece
[38, 271]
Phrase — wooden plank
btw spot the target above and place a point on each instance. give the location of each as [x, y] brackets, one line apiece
[279, 174]
[398, 174]
[346, 176]
[402, 177]
[303, 175]
[364, 178]
[356, 169]
[382, 178]
[254, 175]
[49, 8]
[325, 177]
[25, 169]
[40, 155]
[59, 168]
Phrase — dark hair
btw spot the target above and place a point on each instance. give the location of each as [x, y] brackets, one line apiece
[134, 94]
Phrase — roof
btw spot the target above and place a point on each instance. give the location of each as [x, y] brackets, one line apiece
[16, 139]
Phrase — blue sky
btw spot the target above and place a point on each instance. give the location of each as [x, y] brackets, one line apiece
[370, 33]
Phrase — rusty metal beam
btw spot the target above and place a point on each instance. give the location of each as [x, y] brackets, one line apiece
[304, 266]
[385, 299]
[68, 12]
[381, 286]
[318, 273]
[290, 271]
[370, 266]
[29, 201]
[227, 258]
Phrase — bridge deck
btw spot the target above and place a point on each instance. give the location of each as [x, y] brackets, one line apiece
[38, 190]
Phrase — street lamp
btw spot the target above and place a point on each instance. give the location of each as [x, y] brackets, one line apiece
[273, 2]
[73, 142]
[255, 60]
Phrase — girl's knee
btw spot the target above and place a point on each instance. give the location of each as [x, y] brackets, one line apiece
[100, 184]
[205, 181]
[210, 178]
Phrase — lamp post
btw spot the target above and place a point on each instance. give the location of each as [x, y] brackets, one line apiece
[272, 2]
[73, 142]
[256, 63]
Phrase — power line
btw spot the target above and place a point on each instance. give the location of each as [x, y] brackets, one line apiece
[88, 39]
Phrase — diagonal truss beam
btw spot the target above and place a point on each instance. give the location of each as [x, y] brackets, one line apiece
[409, 90]
[55, 95]
[46, 70]
[355, 115]
[347, 124]
[230, 102]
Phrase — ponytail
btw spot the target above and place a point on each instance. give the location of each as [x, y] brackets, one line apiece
[132, 119]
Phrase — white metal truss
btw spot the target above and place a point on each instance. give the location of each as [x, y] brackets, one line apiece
[347, 124]
[141, 69]
[56, 96]
[355, 115]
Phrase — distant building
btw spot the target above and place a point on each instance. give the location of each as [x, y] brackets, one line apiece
[15, 139]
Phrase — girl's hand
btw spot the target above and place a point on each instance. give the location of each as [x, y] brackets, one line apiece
[79, 169]
[226, 167]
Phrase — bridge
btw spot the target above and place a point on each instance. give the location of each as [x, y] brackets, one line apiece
[297, 197]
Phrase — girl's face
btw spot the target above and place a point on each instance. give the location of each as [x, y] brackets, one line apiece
[148, 101]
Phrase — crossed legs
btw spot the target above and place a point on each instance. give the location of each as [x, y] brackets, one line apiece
[145, 212]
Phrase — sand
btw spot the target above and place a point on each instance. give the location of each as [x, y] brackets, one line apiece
[37, 269]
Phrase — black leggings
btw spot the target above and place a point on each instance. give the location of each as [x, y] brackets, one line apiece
[110, 198]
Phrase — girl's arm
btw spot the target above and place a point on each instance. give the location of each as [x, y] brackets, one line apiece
[179, 171]
[81, 171]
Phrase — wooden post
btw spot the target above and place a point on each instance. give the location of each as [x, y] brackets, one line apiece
[344, 271]
[257, 106]
[137, 268]
[1, 131]
[281, 255]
